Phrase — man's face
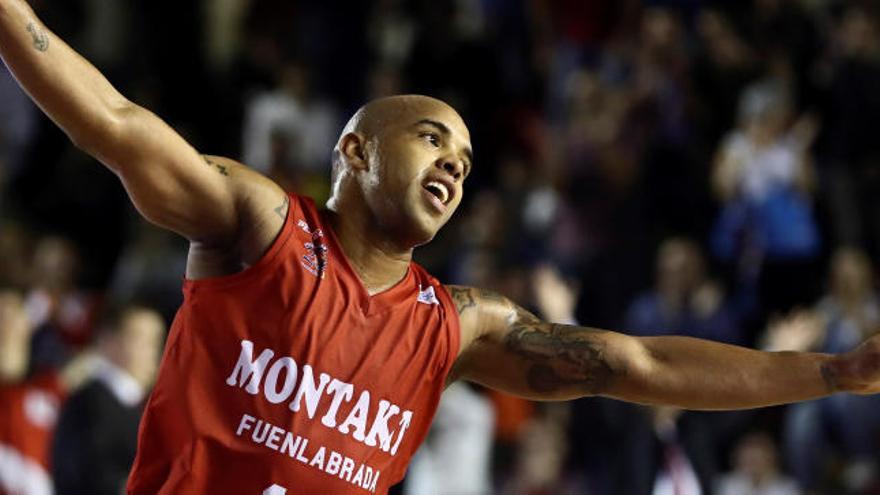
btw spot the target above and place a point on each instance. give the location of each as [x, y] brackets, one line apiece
[140, 342]
[418, 164]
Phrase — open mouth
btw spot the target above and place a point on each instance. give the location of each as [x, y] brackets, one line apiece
[439, 190]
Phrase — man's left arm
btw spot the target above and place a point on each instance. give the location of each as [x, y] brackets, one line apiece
[507, 348]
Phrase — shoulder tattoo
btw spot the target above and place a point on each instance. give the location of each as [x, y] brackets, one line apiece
[462, 297]
[466, 298]
[281, 210]
[220, 168]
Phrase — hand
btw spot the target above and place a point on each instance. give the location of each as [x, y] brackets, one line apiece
[707, 299]
[857, 371]
[799, 331]
[805, 130]
[555, 298]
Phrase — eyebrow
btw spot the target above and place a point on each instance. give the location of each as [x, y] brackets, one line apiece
[444, 129]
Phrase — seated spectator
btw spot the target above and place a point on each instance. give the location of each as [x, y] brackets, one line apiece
[29, 405]
[683, 301]
[95, 441]
[756, 470]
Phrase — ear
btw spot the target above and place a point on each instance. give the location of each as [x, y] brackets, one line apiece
[352, 148]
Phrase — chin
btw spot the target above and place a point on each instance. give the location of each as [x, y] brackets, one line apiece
[420, 237]
[414, 226]
[421, 231]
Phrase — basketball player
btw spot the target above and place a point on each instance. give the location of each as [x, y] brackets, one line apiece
[310, 351]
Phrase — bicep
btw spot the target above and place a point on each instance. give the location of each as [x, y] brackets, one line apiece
[202, 198]
[522, 355]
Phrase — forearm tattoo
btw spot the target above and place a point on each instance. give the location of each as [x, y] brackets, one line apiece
[829, 377]
[220, 168]
[40, 38]
[562, 356]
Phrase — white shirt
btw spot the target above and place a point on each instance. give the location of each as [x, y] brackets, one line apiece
[124, 387]
[763, 169]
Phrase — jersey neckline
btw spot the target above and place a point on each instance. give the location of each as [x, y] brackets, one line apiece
[369, 304]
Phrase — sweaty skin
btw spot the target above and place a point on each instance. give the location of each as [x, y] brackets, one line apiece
[398, 173]
[386, 153]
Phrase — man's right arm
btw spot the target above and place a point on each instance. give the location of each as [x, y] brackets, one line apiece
[211, 201]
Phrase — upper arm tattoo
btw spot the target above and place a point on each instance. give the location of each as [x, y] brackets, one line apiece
[220, 168]
[40, 38]
[558, 356]
[561, 356]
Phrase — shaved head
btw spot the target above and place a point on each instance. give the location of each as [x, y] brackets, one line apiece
[377, 114]
[398, 167]
[372, 118]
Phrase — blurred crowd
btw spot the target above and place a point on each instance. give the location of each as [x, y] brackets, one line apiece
[695, 167]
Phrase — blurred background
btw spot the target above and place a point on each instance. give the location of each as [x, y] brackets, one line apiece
[694, 167]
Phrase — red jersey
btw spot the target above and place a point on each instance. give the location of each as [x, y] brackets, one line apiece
[28, 414]
[289, 378]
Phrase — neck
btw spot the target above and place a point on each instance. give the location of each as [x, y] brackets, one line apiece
[378, 262]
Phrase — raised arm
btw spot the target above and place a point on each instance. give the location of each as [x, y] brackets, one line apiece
[507, 348]
[204, 199]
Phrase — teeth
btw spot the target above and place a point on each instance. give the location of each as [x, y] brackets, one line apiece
[441, 188]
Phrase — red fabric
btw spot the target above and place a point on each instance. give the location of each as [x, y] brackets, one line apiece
[28, 415]
[304, 303]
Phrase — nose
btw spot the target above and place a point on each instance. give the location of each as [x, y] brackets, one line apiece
[452, 166]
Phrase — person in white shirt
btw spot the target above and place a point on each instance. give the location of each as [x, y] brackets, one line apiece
[756, 470]
[96, 437]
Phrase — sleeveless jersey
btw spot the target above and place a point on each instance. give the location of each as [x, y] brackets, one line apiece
[289, 378]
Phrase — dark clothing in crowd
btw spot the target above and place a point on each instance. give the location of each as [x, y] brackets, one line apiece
[95, 442]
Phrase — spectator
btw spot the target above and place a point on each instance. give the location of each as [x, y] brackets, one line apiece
[18, 123]
[852, 150]
[665, 451]
[764, 179]
[756, 470]
[95, 442]
[724, 65]
[540, 456]
[842, 424]
[63, 313]
[684, 301]
[288, 131]
[29, 405]
[456, 457]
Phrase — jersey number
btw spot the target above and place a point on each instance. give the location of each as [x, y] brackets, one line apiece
[275, 490]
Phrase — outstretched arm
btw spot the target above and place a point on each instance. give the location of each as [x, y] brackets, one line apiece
[201, 198]
[508, 348]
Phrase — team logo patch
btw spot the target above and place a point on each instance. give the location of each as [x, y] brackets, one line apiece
[315, 259]
[427, 296]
